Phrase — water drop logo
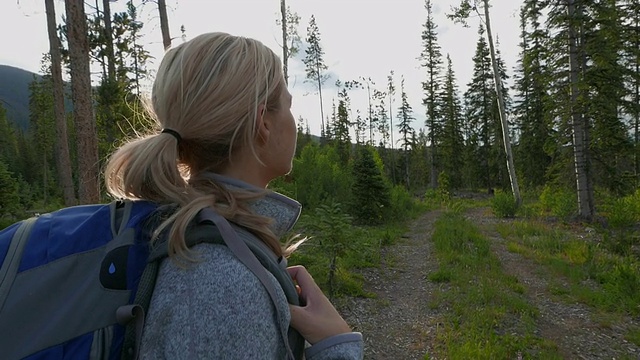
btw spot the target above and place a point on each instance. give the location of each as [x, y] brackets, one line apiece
[112, 269]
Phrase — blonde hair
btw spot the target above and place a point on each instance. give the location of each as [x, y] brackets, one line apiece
[208, 90]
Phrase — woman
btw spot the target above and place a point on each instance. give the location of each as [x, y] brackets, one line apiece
[227, 132]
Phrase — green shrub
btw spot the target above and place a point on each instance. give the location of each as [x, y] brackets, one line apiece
[503, 205]
[623, 212]
[561, 203]
[332, 228]
[402, 204]
[444, 187]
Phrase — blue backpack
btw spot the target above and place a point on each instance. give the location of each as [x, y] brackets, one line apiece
[76, 283]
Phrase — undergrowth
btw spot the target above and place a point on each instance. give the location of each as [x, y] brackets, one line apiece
[486, 315]
[606, 280]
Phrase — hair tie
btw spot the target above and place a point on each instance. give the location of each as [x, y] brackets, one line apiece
[173, 133]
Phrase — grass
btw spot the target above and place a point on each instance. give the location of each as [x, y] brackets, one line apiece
[364, 252]
[605, 280]
[486, 315]
[599, 278]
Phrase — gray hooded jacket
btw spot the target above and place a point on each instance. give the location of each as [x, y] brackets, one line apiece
[218, 309]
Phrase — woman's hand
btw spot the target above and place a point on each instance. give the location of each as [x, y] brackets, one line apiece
[317, 319]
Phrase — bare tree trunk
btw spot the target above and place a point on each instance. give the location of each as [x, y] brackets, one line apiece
[580, 144]
[501, 107]
[164, 24]
[88, 167]
[285, 47]
[108, 32]
[393, 156]
[63, 159]
[370, 114]
[320, 94]
[636, 117]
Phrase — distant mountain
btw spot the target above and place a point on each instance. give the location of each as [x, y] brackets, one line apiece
[14, 94]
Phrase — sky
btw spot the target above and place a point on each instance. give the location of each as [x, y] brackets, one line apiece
[361, 38]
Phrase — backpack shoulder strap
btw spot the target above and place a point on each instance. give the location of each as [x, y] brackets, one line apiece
[242, 251]
[11, 262]
[251, 252]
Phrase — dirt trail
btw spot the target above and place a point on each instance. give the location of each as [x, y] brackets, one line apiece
[398, 324]
[573, 327]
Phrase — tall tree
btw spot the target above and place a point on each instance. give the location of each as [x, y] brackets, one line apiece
[391, 91]
[42, 129]
[479, 117]
[452, 141]
[8, 142]
[341, 126]
[108, 34]
[382, 119]
[431, 61]
[88, 165]
[461, 13]
[531, 105]
[610, 145]
[289, 22]
[164, 24]
[630, 22]
[63, 158]
[314, 62]
[405, 118]
[370, 193]
[580, 126]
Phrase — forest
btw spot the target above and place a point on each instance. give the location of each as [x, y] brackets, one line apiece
[557, 141]
[571, 117]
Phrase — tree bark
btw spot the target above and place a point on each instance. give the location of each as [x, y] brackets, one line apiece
[319, 74]
[88, 167]
[164, 24]
[63, 159]
[285, 46]
[501, 107]
[108, 33]
[580, 144]
[636, 93]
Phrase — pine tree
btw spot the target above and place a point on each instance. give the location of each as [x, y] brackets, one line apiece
[360, 127]
[341, 135]
[531, 104]
[303, 136]
[561, 172]
[419, 160]
[479, 115]
[289, 22]
[8, 143]
[498, 150]
[405, 118]
[371, 197]
[371, 119]
[88, 165]
[579, 122]
[610, 147]
[431, 59]
[42, 128]
[630, 34]
[63, 158]
[452, 138]
[314, 62]
[9, 197]
[391, 91]
[461, 14]
[382, 119]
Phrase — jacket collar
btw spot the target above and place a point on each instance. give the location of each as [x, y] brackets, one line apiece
[282, 209]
